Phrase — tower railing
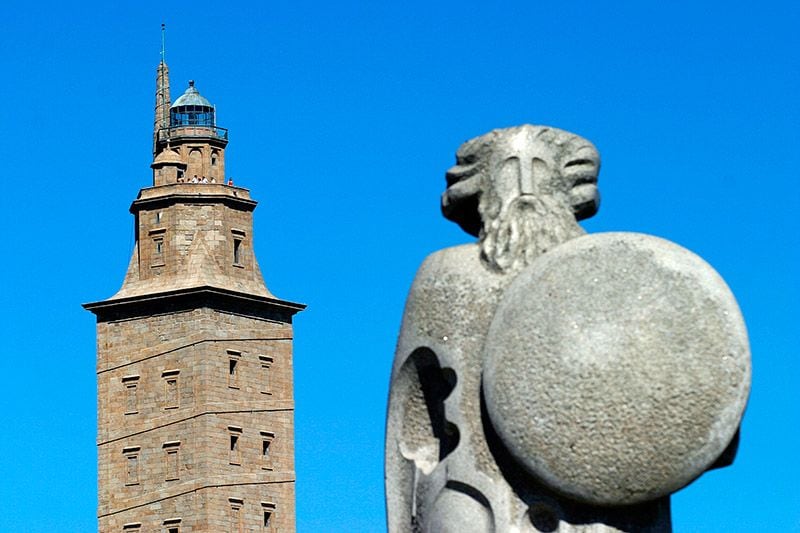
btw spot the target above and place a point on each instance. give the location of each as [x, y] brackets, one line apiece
[192, 131]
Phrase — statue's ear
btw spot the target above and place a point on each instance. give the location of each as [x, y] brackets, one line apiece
[585, 202]
[581, 167]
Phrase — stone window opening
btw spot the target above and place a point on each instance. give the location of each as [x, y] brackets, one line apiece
[238, 240]
[266, 374]
[131, 454]
[234, 357]
[233, 374]
[236, 515]
[237, 251]
[159, 246]
[195, 162]
[132, 527]
[267, 446]
[172, 460]
[172, 525]
[268, 516]
[171, 389]
[131, 385]
[234, 449]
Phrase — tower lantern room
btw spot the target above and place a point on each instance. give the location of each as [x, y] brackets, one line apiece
[191, 109]
[189, 147]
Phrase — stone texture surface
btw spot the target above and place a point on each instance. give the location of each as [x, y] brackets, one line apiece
[616, 369]
[195, 346]
[520, 191]
[186, 236]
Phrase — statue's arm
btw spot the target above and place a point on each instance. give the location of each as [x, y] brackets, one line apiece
[412, 446]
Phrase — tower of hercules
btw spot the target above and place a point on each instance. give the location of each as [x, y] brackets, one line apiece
[194, 354]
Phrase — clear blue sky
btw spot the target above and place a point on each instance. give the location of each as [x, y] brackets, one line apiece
[343, 119]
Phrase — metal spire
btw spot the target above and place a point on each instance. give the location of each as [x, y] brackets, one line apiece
[163, 45]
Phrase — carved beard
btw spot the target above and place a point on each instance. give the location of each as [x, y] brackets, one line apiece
[531, 225]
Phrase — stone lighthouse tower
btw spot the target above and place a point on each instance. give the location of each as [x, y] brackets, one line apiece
[194, 354]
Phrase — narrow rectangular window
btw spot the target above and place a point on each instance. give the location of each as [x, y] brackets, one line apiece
[133, 527]
[235, 518]
[132, 473]
[266, 374]
[172, 392]
[237, 251]
[172, 525]
[172, 460]
[159, 249]
[267, 440]
[233, 368]
[235, 452]
[236, 515]
[233, 374]
[238, 243]
[131, 385]
[172, 465]
[131, 401]
[268, 517]
[171, 389]
[131, 455]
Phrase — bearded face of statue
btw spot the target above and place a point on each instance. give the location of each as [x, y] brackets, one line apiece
[521, 191]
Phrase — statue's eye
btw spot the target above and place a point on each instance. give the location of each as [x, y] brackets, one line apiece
[467, 159]
[578, 162]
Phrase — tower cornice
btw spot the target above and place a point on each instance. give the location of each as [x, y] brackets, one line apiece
[165, 195]
[193, 298]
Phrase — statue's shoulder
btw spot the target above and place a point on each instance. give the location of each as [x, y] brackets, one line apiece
[444, 287]
[453, 261]
[449, 279]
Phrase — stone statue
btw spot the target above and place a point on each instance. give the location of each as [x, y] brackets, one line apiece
[549, 380]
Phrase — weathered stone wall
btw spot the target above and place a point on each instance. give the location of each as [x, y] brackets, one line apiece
[213, 511]
[233, 378]
[190, 233]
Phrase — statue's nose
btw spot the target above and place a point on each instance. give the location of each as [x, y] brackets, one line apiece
[531, 173]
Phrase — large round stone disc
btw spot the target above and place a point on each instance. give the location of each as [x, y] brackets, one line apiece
[617, 368]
